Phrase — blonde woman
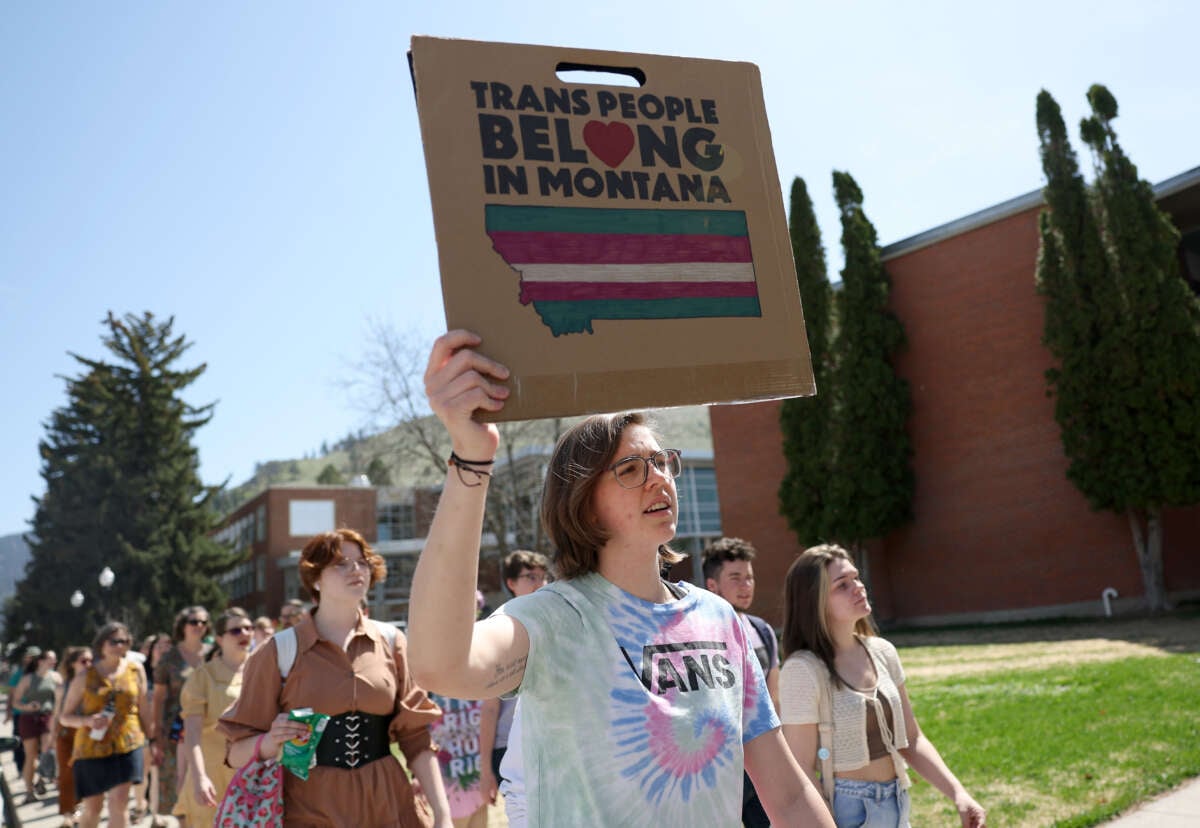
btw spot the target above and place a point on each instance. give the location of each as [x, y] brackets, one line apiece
[830, 647]
[209, 690]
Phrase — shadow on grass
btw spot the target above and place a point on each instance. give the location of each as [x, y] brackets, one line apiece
[1174, 632]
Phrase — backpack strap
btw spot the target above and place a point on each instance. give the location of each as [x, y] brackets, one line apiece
[768, 638]
[285, 645]
[825, 725]
[388, 631]
[285, 651]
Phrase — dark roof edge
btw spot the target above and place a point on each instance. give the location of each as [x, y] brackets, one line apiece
[1011, 207]
[1177, 182]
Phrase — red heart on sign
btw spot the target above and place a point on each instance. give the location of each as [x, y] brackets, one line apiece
[609, 142]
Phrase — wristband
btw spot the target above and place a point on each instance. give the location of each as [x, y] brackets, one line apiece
[454, 458]
[469, 466]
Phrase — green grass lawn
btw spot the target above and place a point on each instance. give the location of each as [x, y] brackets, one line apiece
[1069, 746]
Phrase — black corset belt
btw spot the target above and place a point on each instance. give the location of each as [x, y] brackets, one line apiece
[352, 740]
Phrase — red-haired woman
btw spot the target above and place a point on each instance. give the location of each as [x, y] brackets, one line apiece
[351, 669]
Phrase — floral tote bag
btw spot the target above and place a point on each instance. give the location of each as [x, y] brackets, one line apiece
[254, 796]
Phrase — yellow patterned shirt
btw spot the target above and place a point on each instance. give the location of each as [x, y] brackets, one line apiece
[124, 733]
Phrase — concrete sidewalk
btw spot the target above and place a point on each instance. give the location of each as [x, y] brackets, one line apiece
[44, 812]
[1177, 809]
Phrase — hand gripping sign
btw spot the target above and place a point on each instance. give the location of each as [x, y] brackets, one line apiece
[616, 247]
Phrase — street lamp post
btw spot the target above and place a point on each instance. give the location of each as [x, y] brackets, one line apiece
[107, 578]
[77, 599]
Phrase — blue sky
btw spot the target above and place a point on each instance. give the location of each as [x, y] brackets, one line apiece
[255, 169]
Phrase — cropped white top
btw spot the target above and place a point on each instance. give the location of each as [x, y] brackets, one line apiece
[798, 702]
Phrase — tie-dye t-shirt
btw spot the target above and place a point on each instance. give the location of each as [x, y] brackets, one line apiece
[635, 713]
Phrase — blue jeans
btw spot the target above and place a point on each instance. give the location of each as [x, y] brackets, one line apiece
[869, 804]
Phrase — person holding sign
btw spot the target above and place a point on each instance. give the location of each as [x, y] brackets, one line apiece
[843, 700]
[642, 701]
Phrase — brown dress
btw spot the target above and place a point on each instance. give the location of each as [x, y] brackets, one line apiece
[362, 678]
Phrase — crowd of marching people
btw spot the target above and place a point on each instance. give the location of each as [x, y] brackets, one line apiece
[601, 693]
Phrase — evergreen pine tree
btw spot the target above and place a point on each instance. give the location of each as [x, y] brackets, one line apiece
[330, 476]
[870, 486]
[122, 491]
[1125, 330]
[378, 472]
[804, 421]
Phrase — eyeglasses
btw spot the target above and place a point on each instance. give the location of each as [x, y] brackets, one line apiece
[348, 565]
[632, 472]
[534, 577]
[239, 630]
[198, 622]
[120, 642]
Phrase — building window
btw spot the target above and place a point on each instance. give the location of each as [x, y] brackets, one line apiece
[260, 523]
[389, 599]
[310, 517]
[240, 581]
[699, 508]
[396, 521]
[291, 583]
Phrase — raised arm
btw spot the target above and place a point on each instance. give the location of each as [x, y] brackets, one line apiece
[449, 653]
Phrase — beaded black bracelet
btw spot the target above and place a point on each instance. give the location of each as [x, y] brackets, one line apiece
[461, 465]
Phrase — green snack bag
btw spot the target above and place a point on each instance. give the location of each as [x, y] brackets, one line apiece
[300, 755]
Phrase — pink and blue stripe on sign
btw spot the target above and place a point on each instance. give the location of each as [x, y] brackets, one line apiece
[578, 264]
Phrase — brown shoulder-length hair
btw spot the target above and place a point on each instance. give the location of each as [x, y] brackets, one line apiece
[326, 548]
[582, 455]
[106, 632]
[806, 598]
[221, 625]
[68, 667]
[181, 618]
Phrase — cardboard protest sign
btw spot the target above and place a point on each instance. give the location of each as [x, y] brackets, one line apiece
[615, 247]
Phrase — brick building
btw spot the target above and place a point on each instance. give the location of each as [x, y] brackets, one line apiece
[273, 527]
[999, 532]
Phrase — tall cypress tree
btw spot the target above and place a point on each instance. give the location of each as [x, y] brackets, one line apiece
[1125, 329]
[804, 421]
[122, 491]
[870, 489]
